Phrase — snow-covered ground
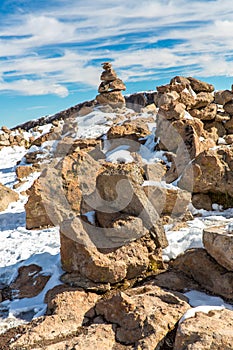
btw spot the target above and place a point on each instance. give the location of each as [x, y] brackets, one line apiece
[20, 246]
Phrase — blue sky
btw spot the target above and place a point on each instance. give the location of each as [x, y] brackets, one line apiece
[50, 51]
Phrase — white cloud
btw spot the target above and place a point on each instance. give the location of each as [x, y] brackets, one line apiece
[83, 34]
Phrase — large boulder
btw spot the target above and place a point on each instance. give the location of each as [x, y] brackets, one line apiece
[206, 330]
[7, 196]
[199, 265]
[137, 314]
[199, 86]
[67, 308]
[92, 252]
[219, 244]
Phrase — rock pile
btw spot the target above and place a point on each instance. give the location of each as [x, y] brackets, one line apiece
[12, 138]
[110, 88]
[194, 124]
[117, 292]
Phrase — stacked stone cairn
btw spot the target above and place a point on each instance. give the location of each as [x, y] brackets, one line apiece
[110, 88]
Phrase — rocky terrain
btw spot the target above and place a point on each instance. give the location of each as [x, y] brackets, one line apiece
[136, 194]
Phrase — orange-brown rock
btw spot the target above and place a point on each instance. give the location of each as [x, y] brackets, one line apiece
[207, 113]
[67, 308]
[203, 99]
[199, 265]
[212, 330]
[200, 86]
[23, 171]
[172, 110]
[133, 130]
[7, 196]
[167, 200]
[105, 264]
[142, 314]
[112, 98]
[219, 244]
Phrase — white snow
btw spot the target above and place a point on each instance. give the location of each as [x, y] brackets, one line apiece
[202, 302]
[20, 247]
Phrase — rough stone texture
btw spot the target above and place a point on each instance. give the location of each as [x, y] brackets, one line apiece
[172, 110]
[168, 201]
[199, 265]
[119, 187]
[113, 98]
[23, 171]
[187, 99]
[94, 337]
[36, 212]
[67, 308]
[174, 280]
[228, 107]
[154, 171]
[211, 171]
[29, 282]
[229, 126]
[229, 139]
[203, 99]
[219, 244]
[207, 113]
[173, 133]
[7, 196]
[145, 312]
[206, 331]
[202, 201]
[200, 86]
[106, 265]
[132, 130]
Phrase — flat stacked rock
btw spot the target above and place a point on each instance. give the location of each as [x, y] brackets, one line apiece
[110, 88]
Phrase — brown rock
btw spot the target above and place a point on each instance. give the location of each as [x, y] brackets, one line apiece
[219, 244]
[173, 110]
[168, 201]
[154, 171]
[215, 128]
[174, 280]
[5, 129]
[202, 201]
[96, 336]
[229, 126]
[23, 171]
[109, 266]
[199, 265]
[200, 86]
[7, 196]
[229, 139]
[36, 210]
[68, 307]
[119, 187]
[113, 98]
[187, 99]
[218, 98]
[167, 98]
[203, 99]
[180, 80]
[171, 87]
[144, 315]
[212, 330]
[29, 282]
[133, 130]
[228, 107]
[204, 174]
[207, 113]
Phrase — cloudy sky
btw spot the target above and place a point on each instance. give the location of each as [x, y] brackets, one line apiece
[51, 50]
